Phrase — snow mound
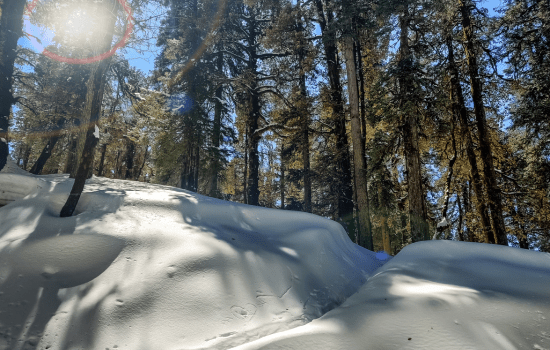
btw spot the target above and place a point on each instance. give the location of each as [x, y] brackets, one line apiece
[64, 261]
[175, 270]
[16, 183]
[438, 295]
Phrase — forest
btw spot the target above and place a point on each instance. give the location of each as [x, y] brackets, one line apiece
[403, 120]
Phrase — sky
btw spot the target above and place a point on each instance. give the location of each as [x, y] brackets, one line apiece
[142, 57]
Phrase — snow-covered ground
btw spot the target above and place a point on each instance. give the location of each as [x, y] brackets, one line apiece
[145, 266]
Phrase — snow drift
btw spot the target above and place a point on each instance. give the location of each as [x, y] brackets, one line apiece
[155, 267]
[144, 266]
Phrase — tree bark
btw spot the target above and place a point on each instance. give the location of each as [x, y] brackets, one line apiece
[11, 24]
[102, 160]
[489, 175]
[94, 98]
[47, 150]
[344, 188]
[130, 154]
[304, 123]
[365, 228]
[216, 133]
[417, 206]
[459, 109]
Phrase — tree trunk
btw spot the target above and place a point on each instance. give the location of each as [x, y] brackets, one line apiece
[94, 98]
[11, 24]
[245, 170]
[417, 206]
[216, 134]
[304, 112]
[459, 108]
[130, 154]
[460, 219]
[138, 175]
[44, 155]
[343, 189]
[282, 180]
[102, 160]
[365, 228]
[489, 175]
[26, 155]
[386, 243]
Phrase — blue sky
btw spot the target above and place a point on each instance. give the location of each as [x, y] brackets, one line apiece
[143, 58]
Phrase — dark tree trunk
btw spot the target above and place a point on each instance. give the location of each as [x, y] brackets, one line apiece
[11, 23]
[460, 219]
[489, 175]
[196, 166]
[130, 154]
[26, 156]
[70, 161]
[94, 98]
[417, 206]
[365, 229]
[102, 160]
[344, 188]
[44, 155]
[304, 123]
[253, 154]
[459, 108]
[216, 134]
[245, 170]
[283, 161]
[145, 155]
[253, 191]
[362, 95]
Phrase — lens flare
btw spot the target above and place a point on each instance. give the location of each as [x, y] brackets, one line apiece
[74, 24]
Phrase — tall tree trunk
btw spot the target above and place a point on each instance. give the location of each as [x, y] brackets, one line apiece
[344, 188]
[417, 206]
[102, 160]
[360, 179]
[386, 243]
[459, 109]
[304, 113]
[44, 155]
[216, 133]
[489, 175]
[130, 154]
[245, 170]
[283, 161]
[70, 161]
[94, 98]
[11, 23]
[145, 155]
[460, 219]
[26, 155]
[254, 111]
[196, 166]
[362, 95]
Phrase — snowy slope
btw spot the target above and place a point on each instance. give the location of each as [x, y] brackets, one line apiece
[153, 267]
[175, 269]
[438, 295]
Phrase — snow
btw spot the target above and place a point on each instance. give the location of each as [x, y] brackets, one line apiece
[443, 223]
[143, 266]
[96, 132]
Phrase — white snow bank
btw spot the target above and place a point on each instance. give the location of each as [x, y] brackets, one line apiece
[192, 272]
[162, 268]
[438, 295]
[16, 183]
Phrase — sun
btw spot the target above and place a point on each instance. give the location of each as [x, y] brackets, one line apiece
[78, 23]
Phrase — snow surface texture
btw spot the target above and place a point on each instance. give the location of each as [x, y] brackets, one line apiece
[153, 267]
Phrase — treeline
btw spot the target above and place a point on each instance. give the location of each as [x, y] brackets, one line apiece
[403, 120]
